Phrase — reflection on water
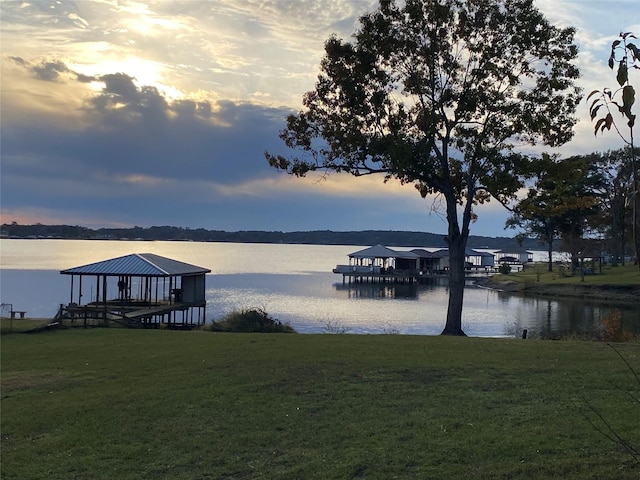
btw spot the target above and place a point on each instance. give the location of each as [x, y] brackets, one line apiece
[293, 283]
[312, 302]
[406, 291]
[553, 318]
[377, 290]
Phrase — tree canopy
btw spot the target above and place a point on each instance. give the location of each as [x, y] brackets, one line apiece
[440, 94]
[565, 202]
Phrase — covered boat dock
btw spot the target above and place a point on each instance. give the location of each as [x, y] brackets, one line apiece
[380, 264]
[137, 290]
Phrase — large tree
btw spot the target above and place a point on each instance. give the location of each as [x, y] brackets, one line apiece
[439, 94]
[565, 201]
[579, 188]
[539, 213]
[617, 211]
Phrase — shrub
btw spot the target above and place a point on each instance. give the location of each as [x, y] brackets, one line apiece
[505, 269]
[334, 326]
[250, 320]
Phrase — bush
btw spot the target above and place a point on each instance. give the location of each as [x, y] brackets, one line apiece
[505, 269]
[250, 320]
[334, 326]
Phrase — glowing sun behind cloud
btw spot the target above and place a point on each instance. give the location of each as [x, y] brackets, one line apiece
[144, 72]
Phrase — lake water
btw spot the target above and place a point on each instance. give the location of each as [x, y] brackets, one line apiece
[294, 283]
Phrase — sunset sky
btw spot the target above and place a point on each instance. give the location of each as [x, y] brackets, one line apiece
[123, 113]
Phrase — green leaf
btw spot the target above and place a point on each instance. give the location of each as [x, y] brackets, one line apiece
[598, 124]
[592, 93]
[634, 50]
[611, 60]
[594, 112]
[622, 75]
[628, 97]
[615, 44]
[620, 107]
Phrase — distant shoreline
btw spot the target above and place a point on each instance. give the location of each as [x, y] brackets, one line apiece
[314, 237]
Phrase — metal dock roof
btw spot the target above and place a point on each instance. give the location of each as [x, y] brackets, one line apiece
[138, 264]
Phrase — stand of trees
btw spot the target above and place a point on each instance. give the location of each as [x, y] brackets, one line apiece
[583, 202]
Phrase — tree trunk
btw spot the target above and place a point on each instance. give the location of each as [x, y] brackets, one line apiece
[622, 247]
[457, 245]
[550, 251]
[574, 250]
[636, 208]
[616, 234]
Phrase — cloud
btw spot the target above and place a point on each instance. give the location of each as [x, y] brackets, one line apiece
[126, 128]
[343, 186]
[52, 216]
[51, 71]
[134, 153]
[597, 25]
[242, 49]
[137, 112]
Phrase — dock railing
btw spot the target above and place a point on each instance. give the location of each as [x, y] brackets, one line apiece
[358, 269]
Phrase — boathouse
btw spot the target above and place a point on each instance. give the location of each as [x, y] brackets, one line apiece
[515, 257]
[380, 263]
[479, 260]
[378, 259]
[383, 264]
[431, 262]
[137, 290]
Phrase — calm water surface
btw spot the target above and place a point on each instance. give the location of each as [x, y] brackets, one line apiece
[294, 283]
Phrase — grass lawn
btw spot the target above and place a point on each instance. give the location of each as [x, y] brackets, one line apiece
[17, 325]
[135, 404]
[538, 274]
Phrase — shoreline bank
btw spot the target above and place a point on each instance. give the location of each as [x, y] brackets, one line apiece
[609, 294]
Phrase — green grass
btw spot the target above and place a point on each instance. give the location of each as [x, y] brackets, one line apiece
[115, 403]
[538, 274]
[18, 325]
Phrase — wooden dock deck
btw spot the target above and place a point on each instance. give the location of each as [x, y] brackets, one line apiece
[405, 277]
[132, 314]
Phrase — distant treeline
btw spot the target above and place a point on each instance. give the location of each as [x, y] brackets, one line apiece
[318, 237]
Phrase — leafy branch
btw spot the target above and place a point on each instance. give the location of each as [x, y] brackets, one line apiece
[624, 54]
